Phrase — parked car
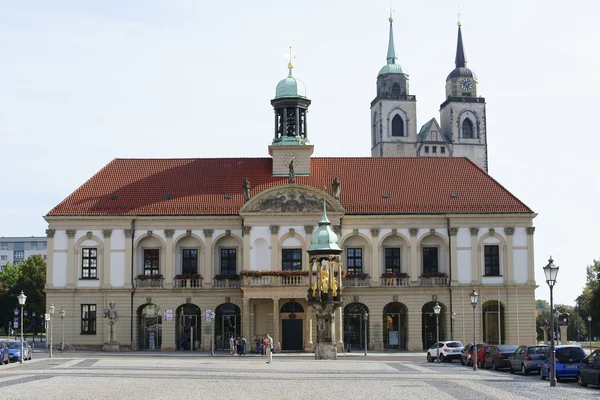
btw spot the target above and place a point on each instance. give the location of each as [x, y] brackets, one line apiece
[483, 349]
[498, 356]
[466, 354]
[589, 373]
[568, 361]
[3, 353]
[448, 351]
[14, 350]
[527, 358]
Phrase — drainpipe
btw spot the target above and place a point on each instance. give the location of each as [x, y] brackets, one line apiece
[450, 276]
[132, 283]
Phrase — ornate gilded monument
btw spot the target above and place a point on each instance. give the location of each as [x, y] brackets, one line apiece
[325, 285]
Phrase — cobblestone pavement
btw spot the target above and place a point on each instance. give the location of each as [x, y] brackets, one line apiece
[146, 377]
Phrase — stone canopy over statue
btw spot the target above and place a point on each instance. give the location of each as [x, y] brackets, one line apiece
[112, 315]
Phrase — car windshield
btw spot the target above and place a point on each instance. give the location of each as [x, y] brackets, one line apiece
[537, 350]
[454, 344]
[13, 345]
[507, 347]
[569, 354]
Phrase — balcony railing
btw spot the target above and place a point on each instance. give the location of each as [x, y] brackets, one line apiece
[356, 282]
[258, 281]
[433, 281]
[226, 283]
[149, 283]
[187, 283]
[394, 282]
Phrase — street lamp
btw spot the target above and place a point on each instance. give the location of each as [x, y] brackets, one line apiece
[366, 318]
[436, 310]
[453, 316]
[21, 299]
[474, 296]
[33, 314]
[16, 311]
[551, 271]
[62, 329]
[25, 312]
[51, 312]
[590, 331]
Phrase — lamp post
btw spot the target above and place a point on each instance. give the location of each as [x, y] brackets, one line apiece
[590, 331]
[436, 310]
[51, 312]
[551, 271]
[21, 299]
[474, 297]
[16, 322]
[453, 317]
[33, 314]
[25, 312]
[62, 329]
[366, 318]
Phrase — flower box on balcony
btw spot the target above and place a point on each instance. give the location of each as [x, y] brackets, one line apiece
[149, 277]
[388, 275]
[434, 275]
[259, 274]
[227, 277]
[188, 276]
[357, 276]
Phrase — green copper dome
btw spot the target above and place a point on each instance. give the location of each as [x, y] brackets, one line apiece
[390, 69]
[290, 87]
[324, 238]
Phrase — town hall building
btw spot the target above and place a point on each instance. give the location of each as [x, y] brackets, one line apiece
[194, 251]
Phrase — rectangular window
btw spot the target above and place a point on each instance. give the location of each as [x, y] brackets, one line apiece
[3, 246]
[151, 261]
[189, 261]
[88, 319]
[291, 259]
[228, 261]
[392, 260]
[354, 261]
[426, 149]
[442, 150]
[19, 255]
[34, 246]
[434, 149]
[3, 258]
[89, 264]
[492, 260]
[430, 260]
[44, 245]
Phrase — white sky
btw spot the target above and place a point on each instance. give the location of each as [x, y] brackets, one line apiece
[83, 82]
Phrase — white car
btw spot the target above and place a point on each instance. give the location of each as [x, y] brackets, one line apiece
[448, 351]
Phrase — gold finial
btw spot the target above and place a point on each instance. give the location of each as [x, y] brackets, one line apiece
[290, 56]
[391, 10]
[458, 16]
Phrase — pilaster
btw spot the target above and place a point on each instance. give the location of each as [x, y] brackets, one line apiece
[128, 255]
[50, 258]
[170, 260]
[475, 250]
[276, 338]
[375, 257]
[208, 259]
[413, 259]
[509, 263]
[246, 247]
[453, 256]
[530, 258]
[105, 283]
[309, 317]
[339, 329]
[71, 261]
[274, 253]
[246, 320]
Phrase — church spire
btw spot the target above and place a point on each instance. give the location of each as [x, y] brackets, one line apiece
[460, 60]
[391, 53]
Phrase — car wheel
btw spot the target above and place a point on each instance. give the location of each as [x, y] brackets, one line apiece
[510, 369]
[523, 370]
[442, 358]
[580, 381]
[462, 361]
[494, 368]
[542, 376]
[429, 358]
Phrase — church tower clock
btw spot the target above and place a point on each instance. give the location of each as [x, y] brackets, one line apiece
[462, 115]
[394, 110]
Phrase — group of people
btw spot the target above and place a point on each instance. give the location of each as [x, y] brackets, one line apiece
[264, 346]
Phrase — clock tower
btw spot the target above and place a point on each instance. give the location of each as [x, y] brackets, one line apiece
[290, 142]
[462, 115]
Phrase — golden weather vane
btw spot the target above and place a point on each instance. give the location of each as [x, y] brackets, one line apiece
[391, 10]
[290, 56]
[458, 16]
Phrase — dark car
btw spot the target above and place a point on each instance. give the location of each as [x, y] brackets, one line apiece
[3, 353]
[589, 373]
[527, 358]
[466, 354]
[498, 356]
[482, 351]
[568, 360]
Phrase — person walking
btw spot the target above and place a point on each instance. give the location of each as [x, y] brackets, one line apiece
[243, 344]
[257, 343]
[231, 349]
[269, 348]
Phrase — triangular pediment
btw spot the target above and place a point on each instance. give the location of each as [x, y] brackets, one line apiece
[291, 199]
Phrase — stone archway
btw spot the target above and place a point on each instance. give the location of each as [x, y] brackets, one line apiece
[354, 326]
[395, 326]
[149, 327]
[493, 322]
[227, 324]
[187, 334]
[430, 324]
[292, 326]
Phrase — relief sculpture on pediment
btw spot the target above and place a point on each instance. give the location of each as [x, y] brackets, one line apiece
[290, 201]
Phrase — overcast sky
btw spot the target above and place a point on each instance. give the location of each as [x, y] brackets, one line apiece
[83, 82]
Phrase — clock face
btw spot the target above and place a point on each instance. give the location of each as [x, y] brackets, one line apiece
[466, 84]
[289, 157]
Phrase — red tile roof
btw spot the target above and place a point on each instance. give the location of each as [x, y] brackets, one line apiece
[200, 186]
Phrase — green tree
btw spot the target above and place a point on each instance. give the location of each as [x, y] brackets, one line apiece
[10, 274]
[590, 298]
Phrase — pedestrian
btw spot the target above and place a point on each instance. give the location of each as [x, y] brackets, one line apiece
[264, 346]
[257, 342]
[243, 346]
[236, 345]
[231, 350]
[269, 348]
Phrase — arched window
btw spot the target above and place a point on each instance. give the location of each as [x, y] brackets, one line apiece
[397, 126]
[396, 90]
[467, 129]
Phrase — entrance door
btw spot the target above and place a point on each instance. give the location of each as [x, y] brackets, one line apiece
[291, 335]
[429, 330]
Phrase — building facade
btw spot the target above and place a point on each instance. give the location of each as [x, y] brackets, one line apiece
[170, 241]
[16, 249]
